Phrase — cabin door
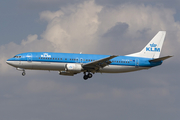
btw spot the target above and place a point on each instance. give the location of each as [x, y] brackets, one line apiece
[137, 63]
[29, 57]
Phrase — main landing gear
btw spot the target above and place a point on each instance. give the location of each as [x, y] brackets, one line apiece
[89, 75]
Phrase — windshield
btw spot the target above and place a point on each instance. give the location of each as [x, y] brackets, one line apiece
[17, 57]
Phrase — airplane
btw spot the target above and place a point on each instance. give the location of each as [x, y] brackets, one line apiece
[70, 64]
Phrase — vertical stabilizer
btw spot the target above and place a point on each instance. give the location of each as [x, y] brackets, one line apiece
[153, 48]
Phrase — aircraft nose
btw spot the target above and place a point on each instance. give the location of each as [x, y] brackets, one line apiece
[8, 62]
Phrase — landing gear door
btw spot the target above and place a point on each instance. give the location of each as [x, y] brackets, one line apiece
[29, 57]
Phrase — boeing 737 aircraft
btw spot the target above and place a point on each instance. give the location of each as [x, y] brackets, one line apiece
[70, 63]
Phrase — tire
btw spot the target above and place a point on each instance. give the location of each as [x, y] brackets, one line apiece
[23, 74]
[90, 75]
[85, 77]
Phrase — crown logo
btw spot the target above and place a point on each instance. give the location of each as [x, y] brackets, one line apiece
[153, 45]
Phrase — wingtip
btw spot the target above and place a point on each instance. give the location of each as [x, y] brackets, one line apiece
[115, 55]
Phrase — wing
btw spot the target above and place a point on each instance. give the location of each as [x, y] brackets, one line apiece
[96, 65]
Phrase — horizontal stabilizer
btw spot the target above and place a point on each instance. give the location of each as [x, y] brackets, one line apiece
[160, 59]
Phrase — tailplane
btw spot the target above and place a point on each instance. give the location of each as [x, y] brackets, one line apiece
[160, 59]
[153, 48]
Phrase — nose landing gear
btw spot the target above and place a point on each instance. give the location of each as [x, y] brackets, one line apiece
[23, 73]
[89, 75]
[21, 69]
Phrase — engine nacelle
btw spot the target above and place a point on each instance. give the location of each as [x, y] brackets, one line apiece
[67, 73]
[73, 67]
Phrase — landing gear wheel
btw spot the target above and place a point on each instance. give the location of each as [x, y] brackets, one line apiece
[90, 75]
[23, 73]
[85, 77]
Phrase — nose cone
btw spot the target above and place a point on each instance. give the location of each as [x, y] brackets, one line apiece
[8, 62]
[12, 62]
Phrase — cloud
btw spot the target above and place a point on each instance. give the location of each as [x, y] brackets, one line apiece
[117, 31]
[37, 86]
[140, 19]
[73, 28]
[91, 28]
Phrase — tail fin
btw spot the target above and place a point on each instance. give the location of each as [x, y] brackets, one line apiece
[153, 48]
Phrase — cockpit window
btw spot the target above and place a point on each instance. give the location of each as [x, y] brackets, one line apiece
[17, 56]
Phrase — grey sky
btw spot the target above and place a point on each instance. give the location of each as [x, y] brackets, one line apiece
[100, 26]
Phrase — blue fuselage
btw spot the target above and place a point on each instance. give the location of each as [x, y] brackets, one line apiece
[50, 57]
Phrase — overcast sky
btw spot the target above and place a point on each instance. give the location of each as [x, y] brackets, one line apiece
[115, 27]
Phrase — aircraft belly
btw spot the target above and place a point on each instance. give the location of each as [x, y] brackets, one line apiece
[120, 69]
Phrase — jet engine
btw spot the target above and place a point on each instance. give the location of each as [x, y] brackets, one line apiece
[73, 67]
